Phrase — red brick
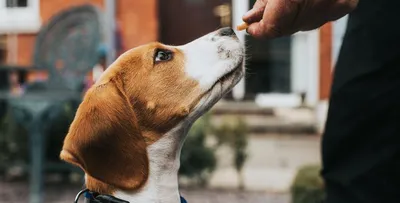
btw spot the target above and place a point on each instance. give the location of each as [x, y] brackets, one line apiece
[325, 58]
[138, 20]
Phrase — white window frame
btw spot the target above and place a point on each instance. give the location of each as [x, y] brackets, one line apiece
[20, 19]
[339, 29]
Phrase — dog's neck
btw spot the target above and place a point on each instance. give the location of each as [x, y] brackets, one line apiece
[162, 184]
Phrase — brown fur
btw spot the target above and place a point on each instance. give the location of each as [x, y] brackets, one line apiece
[133, 104]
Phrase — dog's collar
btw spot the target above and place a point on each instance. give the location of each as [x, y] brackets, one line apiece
[93, 197]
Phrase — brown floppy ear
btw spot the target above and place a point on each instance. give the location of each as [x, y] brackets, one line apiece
[105, 141]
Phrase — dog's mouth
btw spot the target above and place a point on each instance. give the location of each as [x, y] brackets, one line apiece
[218, 89]
[226, 77]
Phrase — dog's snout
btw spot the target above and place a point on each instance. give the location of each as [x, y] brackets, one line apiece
[227, 31]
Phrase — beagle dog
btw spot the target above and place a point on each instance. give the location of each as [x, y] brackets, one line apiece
[128, 131]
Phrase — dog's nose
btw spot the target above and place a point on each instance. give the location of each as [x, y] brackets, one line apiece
[227, 31]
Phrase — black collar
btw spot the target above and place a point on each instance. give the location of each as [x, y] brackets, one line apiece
[93, 197]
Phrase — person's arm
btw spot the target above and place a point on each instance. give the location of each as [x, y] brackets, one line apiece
[275, 18]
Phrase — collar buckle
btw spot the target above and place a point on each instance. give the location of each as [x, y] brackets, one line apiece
[80, 193]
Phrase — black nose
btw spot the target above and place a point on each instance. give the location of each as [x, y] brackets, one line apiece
[227, 31]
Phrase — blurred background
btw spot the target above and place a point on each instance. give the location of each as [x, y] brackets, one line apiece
[259, 144]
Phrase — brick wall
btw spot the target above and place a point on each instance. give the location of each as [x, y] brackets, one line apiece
[138, 20]
[325, 61]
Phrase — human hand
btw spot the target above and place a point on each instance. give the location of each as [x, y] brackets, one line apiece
[275, 18]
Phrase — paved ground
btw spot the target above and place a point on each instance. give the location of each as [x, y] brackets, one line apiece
[18, 193]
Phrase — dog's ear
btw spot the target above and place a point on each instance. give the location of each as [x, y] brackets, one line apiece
[105, 140]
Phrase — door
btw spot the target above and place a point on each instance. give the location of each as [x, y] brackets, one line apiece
[182, 21]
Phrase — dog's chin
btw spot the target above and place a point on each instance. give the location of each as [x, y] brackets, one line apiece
[220, 88]
[224, 84]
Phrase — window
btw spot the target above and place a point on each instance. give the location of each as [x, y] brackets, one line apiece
[16, 3]
[19, 16]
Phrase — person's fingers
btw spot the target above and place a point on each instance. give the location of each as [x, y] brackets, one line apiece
[263, 30]
[255, 14]
[260, 4]
[278, 19]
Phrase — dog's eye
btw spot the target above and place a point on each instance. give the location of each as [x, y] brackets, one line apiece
[162, 55]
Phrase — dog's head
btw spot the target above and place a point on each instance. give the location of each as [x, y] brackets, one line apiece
[144, 94]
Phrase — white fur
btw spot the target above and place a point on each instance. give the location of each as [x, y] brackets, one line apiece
[206, 63]
[162, 185]
[210, 57]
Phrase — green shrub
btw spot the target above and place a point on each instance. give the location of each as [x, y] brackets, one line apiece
[308, 186]
[197, 160]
